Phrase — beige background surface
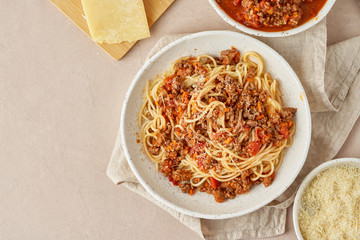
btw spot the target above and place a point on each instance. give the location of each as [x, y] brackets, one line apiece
[60, 103]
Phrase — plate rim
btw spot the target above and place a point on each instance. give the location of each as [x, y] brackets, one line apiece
[137, 79]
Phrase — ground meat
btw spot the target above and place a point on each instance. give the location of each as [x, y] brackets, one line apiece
[287, 113]
[224, 190]
[159, 141]
[263, 96]
[278, 136]
[221, 78]
[170, 154]
[267, 181]
[154, 150]
[176, 85]
[200, 69]
[184, 68]
[185, 187]
[248, 114]
[275, 118]
[231, 86]
[230, 56]
[252, 123]
[231, 100]
[295, 18]
[274, 13]
[251, 73]
[230, 118]
[230, 193]
[204, 187]
[181, 175]
[245, 174]
[166, 167]
[219, 87]
[219, 196]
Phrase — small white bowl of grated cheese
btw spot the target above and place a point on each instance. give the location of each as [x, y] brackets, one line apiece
[327, 204]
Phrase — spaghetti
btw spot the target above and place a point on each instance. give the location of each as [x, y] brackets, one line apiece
[216, 124]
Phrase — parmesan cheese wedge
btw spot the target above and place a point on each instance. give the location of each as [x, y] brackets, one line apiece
[114, 21]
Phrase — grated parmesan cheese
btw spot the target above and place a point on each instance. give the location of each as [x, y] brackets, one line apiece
[331, 205]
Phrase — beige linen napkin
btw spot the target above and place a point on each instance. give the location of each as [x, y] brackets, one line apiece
[331, 80]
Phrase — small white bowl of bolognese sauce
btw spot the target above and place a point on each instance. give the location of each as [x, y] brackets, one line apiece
[272, 18]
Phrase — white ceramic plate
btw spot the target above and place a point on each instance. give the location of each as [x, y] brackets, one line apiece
[354, 162]
[312, 22]
[201, 204]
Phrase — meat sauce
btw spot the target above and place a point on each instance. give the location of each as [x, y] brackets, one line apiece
[271, 15]
[174, 101]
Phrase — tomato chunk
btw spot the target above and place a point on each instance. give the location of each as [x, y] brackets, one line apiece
[284, 130]
[262, 4]
[253, 23]
[253, 148]
[213, 182]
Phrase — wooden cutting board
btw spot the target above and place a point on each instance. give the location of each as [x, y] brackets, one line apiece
[73, 10]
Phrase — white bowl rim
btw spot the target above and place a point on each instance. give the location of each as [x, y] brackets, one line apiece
[143, 182]
[312, 22]
[308, 179]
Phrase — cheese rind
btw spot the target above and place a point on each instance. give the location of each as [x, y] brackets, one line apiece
[114, 21]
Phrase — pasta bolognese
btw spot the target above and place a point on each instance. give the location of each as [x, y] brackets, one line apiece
[216, 124]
